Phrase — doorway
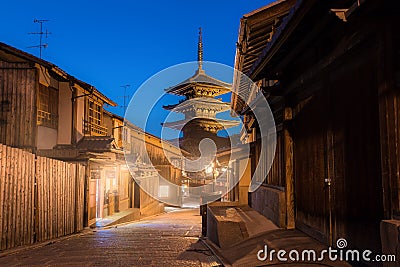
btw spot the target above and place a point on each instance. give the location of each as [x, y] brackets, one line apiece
[136, 195]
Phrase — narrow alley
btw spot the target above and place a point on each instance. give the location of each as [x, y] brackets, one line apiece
[169, 239]
[200, 133]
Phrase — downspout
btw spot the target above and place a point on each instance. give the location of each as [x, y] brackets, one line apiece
[73, 113]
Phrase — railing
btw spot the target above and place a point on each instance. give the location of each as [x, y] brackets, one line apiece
[47, 119]
[94, 129]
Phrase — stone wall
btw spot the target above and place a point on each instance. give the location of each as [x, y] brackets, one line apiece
[271, 203]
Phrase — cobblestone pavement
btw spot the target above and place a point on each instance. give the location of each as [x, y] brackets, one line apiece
[170, 239]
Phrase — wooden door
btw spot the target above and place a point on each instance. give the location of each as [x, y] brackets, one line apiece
[136, 195]
[92, 200]
[310, 164]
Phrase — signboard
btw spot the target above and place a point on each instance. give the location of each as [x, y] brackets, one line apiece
[95, 174]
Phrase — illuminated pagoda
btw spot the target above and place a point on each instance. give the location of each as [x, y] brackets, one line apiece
[200, 108]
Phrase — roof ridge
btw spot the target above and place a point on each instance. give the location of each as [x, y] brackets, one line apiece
[48, 64]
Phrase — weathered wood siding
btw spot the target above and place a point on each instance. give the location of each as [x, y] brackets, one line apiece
[336, 137]
[389, 112]
[52, 208]
[59, 198]
[276, 173]
[310, 167]
[17, 105]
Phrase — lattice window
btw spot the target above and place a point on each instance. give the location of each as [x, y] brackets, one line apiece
[93, 123]
[95, 113]
[47, 113]
[276, 173]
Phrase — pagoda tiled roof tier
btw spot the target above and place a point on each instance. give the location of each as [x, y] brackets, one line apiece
[211, 105]
[200, 85]
[208, 124]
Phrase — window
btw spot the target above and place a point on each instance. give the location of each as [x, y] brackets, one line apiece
[126, 138]
[94, 118]
[120, 141]
[94, 112]
[124, 185]
[276, 175]
[47, 113]
[164, 191]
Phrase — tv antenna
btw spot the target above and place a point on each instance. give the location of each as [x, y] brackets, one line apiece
[125, 96]
[41, 33]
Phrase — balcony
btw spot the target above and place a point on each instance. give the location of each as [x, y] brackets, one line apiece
[47, 119]
[94, 129]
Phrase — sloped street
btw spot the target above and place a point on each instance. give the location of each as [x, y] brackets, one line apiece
[170, 239]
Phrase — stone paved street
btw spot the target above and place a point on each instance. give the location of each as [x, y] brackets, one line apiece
[170, 239]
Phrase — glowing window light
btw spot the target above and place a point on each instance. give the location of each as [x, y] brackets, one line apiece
[164, 191]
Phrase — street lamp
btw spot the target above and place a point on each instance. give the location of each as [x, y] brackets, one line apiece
[185, 184]
[212, 169]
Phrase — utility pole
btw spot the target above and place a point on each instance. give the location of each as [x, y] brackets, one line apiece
[40, 33]
[125, 96]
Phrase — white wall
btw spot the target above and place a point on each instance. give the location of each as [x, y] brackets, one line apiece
[46, 137]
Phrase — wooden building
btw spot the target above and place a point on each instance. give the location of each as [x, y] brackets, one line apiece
[50, 113]
[330, 72]
[156, 149]
[36, 96]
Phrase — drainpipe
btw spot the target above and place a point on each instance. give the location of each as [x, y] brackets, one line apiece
[73, 113]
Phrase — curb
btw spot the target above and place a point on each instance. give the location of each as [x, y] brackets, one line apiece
[124, 223]
[221, 259]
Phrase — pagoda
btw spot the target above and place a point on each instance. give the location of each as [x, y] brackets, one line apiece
[200, 107]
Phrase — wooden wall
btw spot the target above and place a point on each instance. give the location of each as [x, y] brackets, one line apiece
[310, 167]
[389, 112]
[151, 184]
[31, 214]
[17, 179]
[59, 198]
[336, 137]
[17, 105]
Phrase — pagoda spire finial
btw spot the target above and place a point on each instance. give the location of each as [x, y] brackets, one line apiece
[200, 50]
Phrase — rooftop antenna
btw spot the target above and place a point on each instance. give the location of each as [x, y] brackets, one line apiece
[125, 96]
[41, 33]
[200, 50]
